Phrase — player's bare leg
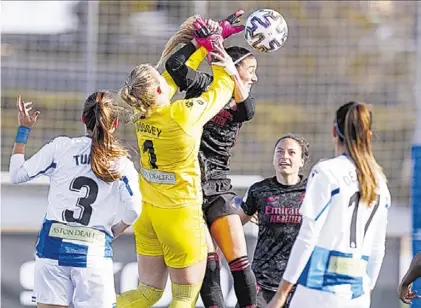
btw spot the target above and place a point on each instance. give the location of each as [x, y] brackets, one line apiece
[229, 235]
[49, 306]
[153, 276]
[152, 271]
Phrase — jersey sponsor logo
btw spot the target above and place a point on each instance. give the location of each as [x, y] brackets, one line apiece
[283, 215]
[149, 129]
[225, 115]
[76, 233]
[159, 177]
[280, 214]
[347, 266]
[222, 117]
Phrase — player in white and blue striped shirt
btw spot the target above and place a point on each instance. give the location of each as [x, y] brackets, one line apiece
[337, 256]
[93, 198]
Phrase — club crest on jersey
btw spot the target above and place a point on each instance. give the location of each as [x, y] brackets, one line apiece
[270, 199]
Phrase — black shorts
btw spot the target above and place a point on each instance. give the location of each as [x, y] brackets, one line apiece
[218, 200]
[264, 296]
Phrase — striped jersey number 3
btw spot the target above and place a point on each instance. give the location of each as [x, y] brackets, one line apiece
[354, 201]
[148, 148]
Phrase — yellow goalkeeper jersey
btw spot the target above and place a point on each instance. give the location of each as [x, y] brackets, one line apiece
[169, 141]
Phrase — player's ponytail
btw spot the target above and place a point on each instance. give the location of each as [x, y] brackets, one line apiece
[182, 36]
[353, 126]
[100, 114]
[139, 91]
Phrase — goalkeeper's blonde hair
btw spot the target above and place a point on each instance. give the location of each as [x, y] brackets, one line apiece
[139, 90]
[183, 35]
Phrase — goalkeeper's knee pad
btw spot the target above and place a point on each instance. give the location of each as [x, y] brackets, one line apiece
[143, 297]
[185, 295]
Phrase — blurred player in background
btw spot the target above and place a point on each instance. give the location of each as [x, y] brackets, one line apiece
[339, 250]
[219, 137]
[91, 177]
[277, 201]
[170, 232]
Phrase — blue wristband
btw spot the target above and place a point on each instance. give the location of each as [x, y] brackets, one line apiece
[22, 134]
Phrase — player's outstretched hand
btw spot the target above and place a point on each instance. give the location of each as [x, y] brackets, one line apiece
[204, 36]
[24, 117]
[227, 24]
[223, 59]
[406, 294]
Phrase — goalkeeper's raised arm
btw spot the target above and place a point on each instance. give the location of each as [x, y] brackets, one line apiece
[219, 137]
[170, 234]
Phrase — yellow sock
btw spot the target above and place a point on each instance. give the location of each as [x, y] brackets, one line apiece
[143, 297]
[184, 296]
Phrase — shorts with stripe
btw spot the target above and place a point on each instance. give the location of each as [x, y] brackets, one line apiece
[73, 265]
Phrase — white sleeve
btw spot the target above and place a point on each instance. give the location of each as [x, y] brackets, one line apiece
[378, 247]
[17, 173]
[130, 194]
[319, 193]
[303, 248]
[314, 209]
[41, 163]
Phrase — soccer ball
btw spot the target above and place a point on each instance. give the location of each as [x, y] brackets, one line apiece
[266, 30]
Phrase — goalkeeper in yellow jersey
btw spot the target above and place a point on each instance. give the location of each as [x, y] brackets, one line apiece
[218, 140]
[170, 232]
